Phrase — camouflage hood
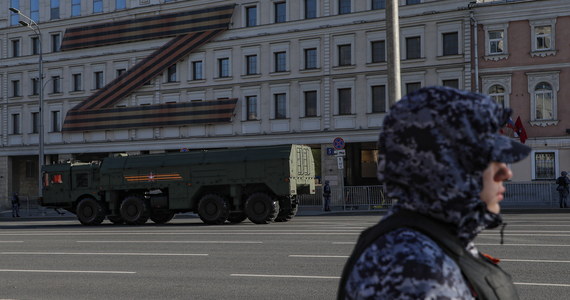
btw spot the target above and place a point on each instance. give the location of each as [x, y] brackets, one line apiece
[435, 144]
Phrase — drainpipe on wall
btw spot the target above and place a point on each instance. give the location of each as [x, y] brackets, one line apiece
[475, 50]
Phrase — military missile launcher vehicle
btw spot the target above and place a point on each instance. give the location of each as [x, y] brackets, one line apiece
[229, 185]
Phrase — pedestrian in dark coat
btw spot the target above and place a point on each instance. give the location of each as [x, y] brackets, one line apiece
[563, 188]
[15, 205]
[442, 158]
[327, 195]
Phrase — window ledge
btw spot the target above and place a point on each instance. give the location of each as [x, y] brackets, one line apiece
[223, 78]
[543, 53]
[496, 57]
[280, 73]
[450, 56]
[197, 81]
[310, 70]
[246, 76]
[345, 67]
[544, 123]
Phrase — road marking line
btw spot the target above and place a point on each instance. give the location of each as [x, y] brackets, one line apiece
[284, 276]
[343, 243]
[11, 242]
[520, 234]
[101, 253]
[182, 233]
[319, 256]
[178, 242]
[543, 284]
[536, 260]
[68, 271]
[526, 245]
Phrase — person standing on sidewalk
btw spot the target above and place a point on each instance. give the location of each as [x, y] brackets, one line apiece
[15, 205]
[563, 188]
[327, 195]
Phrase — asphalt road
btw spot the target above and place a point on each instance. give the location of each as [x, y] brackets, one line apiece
[301, 259]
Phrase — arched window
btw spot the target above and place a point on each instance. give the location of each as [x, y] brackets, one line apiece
[497, 93]
[543, 99]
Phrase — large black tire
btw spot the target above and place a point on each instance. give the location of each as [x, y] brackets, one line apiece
[287, 212]
[134, 210]
[260, 208]
[117, 220]
[213, 209]
[161, 217]
[237, 217]
[90, 212]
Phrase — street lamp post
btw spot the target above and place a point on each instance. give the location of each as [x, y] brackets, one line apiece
[31, 24]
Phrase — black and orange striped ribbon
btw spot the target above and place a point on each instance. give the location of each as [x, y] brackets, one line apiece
[193, 29]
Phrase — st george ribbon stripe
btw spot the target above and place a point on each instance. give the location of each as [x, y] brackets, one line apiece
[160, 26]
[190, 30]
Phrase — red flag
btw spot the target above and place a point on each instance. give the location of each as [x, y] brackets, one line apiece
[519, 129]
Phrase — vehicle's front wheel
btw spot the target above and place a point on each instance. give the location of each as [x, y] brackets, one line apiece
[213, 209]
[134, 210]
[261, 208]
[90, 212]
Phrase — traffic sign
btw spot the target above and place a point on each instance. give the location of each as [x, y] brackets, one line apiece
[340, 162]
[338, 143]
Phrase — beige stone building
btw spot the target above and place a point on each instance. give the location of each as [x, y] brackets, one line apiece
[279, 72]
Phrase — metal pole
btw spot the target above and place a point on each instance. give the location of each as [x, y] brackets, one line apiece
[32, 25]
[393, 49]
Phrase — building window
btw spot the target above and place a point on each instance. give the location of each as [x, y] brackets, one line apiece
[251, 16]
[77, 82]
[97, 6]
[14, 17]
[120, 4]
[378, 4]
[56, 84]
[450, 43]
[344, 7]
[35, 122]
[35, 10]
[452, 83]
[15, 123]
[544, 165]
[413, 86]
[75, 8]
[311, 58]
[344, 55]
[171, 73]
[310, 103]
[497, 93]
[344, 101]
[55, 42]
[251, 65]
[543, 101]
[543, 37]
[409, 2]
[35, 41]
[280, 106]
[378, 49]
[379, 99]
[55, 121]
[280, 12]
[197, 70]
[35, 86]
[223, 67]
[280, 61]
[310, 9]
[99, 81]
[16, 88]
[413, 47]
[15, 48]
[251, 107]
[496, 42]
[54, 9]
[120, 72]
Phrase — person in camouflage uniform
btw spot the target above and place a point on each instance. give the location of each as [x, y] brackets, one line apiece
[440, 155]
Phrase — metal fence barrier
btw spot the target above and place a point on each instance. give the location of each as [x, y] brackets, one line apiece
[518, 195]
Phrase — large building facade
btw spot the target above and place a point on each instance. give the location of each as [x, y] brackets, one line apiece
[146, 76]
